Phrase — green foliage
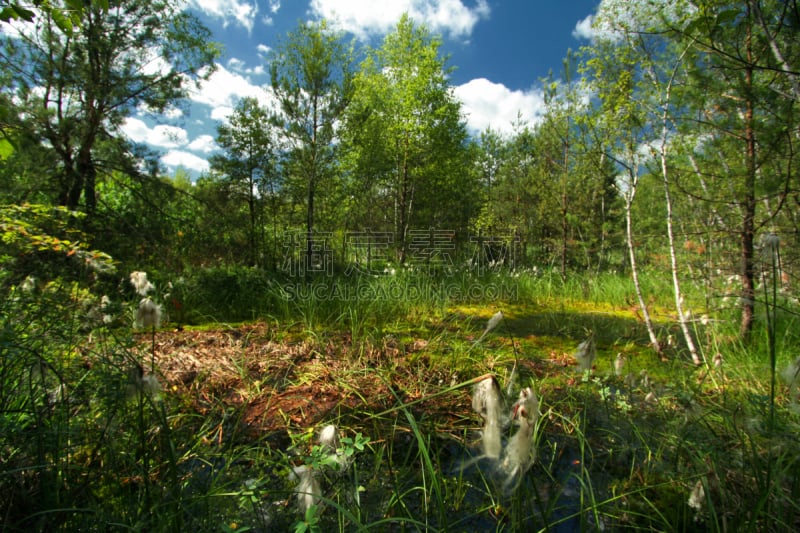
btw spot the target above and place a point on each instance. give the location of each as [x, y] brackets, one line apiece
[42, 242]
[95, 76]
[249, 166]
[227, 294]
[406, 142]
[311, 75]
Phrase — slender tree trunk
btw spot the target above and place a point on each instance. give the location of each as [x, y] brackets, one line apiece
[629, 196]
[780, 58]
[251, 204]
[748, 202]
[404, 206]
[665, 176]
[312, 182]
[676, 285]
[564, 209]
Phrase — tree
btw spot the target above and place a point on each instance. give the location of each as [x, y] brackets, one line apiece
[249, 162]
[312, 80]
[409, 139]
[619, 127]
[745, 93]
[75, 88]
[66, 17]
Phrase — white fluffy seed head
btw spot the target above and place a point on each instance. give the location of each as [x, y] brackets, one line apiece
[494, 321]
[140, 283]
[308, 489]
[487, 400]
[329, 437]
[585, 354]
[492, 439]
[526, 407]
[148, 314]
[619, 364]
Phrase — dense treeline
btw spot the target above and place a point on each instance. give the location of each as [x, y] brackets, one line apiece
[668, 143]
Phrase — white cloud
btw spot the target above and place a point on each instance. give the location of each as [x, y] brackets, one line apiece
[204, 143]
[256, 71]
[223, 89]
[173, 112]
[489, 104]
[135, 129]
[242, 12]
[176, 158]
[221, 113]
[365, 18]
[235, 64]
[263, 49]
[274, 6]
[160, 135]
[583, 29]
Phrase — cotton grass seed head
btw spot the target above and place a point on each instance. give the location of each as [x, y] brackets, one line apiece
[619, 364]
[148, 314]
[697, 497]
[140, 283]
[770, 241]
[494, 321]
[585, 354]
[487, 400]
[308, 490]
[527, 406]
[28, 284]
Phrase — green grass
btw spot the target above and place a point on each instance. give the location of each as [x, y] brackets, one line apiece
[617, 452]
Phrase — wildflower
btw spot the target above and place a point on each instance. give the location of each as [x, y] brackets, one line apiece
[513, 381]
[140, 283]
[148, 314]
[146, 384]
[28, 284]
[585, 354]
[491, 324]
[151, 387]
[105, 309]
[519, 453]
[329, 439]
[630, 381]
[57, 394]
[619, 364]
[527, 406]
[308, 490]
[492, 439]
[487, 401]
[697, 498]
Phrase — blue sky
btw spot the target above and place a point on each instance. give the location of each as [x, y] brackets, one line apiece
[499, 48]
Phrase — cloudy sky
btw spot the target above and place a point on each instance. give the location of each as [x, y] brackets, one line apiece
[500, 50]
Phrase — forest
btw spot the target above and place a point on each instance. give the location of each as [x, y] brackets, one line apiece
[365, 316]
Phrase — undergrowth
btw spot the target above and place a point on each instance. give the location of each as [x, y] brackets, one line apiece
[92, 437]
